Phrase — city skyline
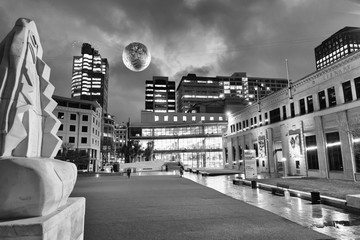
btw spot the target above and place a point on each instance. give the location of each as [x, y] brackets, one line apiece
[207, 38]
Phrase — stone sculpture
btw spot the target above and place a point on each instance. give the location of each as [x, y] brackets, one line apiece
[31, 182]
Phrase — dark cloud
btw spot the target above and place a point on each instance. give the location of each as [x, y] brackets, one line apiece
[205, 37]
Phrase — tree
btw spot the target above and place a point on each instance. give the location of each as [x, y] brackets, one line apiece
[131, 150]
[148, 152]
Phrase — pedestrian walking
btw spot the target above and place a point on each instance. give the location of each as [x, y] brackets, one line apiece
[128, 172]
[181, 171]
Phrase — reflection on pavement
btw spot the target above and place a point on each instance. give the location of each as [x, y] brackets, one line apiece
[334, 222]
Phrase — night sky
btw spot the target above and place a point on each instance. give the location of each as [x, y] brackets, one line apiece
[205, 37]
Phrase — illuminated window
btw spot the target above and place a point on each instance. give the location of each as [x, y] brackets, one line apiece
[347, 91]
[175, 118]
[166, 118]
[193, 118]
[333, 146]
[311, 152]
[156, 118]
[184, 118]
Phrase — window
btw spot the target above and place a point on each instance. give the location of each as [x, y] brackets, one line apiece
[166, 118]
[333, 146]
[84, 129]
[311, 152]
[175, 118]
[284, 112]
[61, 115]
[260, 120]
[292, 109]
[71, 139]
[184, 118]
[275, 115]
[72, 116]
[322, 99]
[84, 140]
[221, 118]
[331, 96]
[72, 128]
[310, 104]
[61, 128]
[211, 118]
[85, 118]
[156, 118]
[347, 91]
[202, 118]
[302, 106]
[266, 118]
[193, 118]
[357, 87]
[251, 123]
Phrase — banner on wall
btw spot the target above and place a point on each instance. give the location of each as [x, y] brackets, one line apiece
[250, 164]
[261, 147]
[294, 146]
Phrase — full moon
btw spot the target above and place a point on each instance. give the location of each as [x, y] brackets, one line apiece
[136, 57]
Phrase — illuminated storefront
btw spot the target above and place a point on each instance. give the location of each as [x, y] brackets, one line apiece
[196, 144]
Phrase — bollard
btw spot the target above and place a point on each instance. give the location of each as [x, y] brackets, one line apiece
[253, 184]
[315, 197]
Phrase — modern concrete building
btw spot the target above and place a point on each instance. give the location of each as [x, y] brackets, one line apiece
[160, 95]
[223, 93]
[195, 139]
[90, 76]
[120, 140]
[339, 45]
[80, 129]
[311, 129]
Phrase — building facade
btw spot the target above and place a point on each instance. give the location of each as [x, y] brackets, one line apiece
[223, 93]
[120, 140]
[311, 129]
[160, 95]
[193, 139]
[90, 76]
[108, 146]
[339, 45]
[80, 130]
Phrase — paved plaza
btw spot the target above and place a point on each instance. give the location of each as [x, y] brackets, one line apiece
[170, 207]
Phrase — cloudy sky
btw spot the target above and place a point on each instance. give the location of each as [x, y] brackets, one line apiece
[205, 37]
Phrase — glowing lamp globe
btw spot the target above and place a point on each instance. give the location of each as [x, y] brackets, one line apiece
[136, 57]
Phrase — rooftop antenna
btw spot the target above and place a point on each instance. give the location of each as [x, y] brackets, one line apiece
[288, 78]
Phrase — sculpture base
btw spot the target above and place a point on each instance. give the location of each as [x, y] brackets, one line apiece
[65, 223]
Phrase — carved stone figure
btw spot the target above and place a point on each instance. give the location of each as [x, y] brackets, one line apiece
[31, 182]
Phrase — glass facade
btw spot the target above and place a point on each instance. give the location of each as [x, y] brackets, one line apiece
[333, 146]
[195, 146]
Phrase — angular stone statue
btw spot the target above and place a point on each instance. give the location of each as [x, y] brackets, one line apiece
[32, 183]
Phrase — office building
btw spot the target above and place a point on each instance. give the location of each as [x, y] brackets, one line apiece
[160, 95]
[223, 93]
[339, 45]
[108, 147]
[120, 140]
[90, 76]
[80, 131]
[310, 130]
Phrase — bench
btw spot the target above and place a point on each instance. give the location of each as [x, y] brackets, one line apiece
[279, 189]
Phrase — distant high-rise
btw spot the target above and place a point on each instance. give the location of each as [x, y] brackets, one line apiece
[90, 76]
[340, 44]
[160, 95]
[223, 93]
